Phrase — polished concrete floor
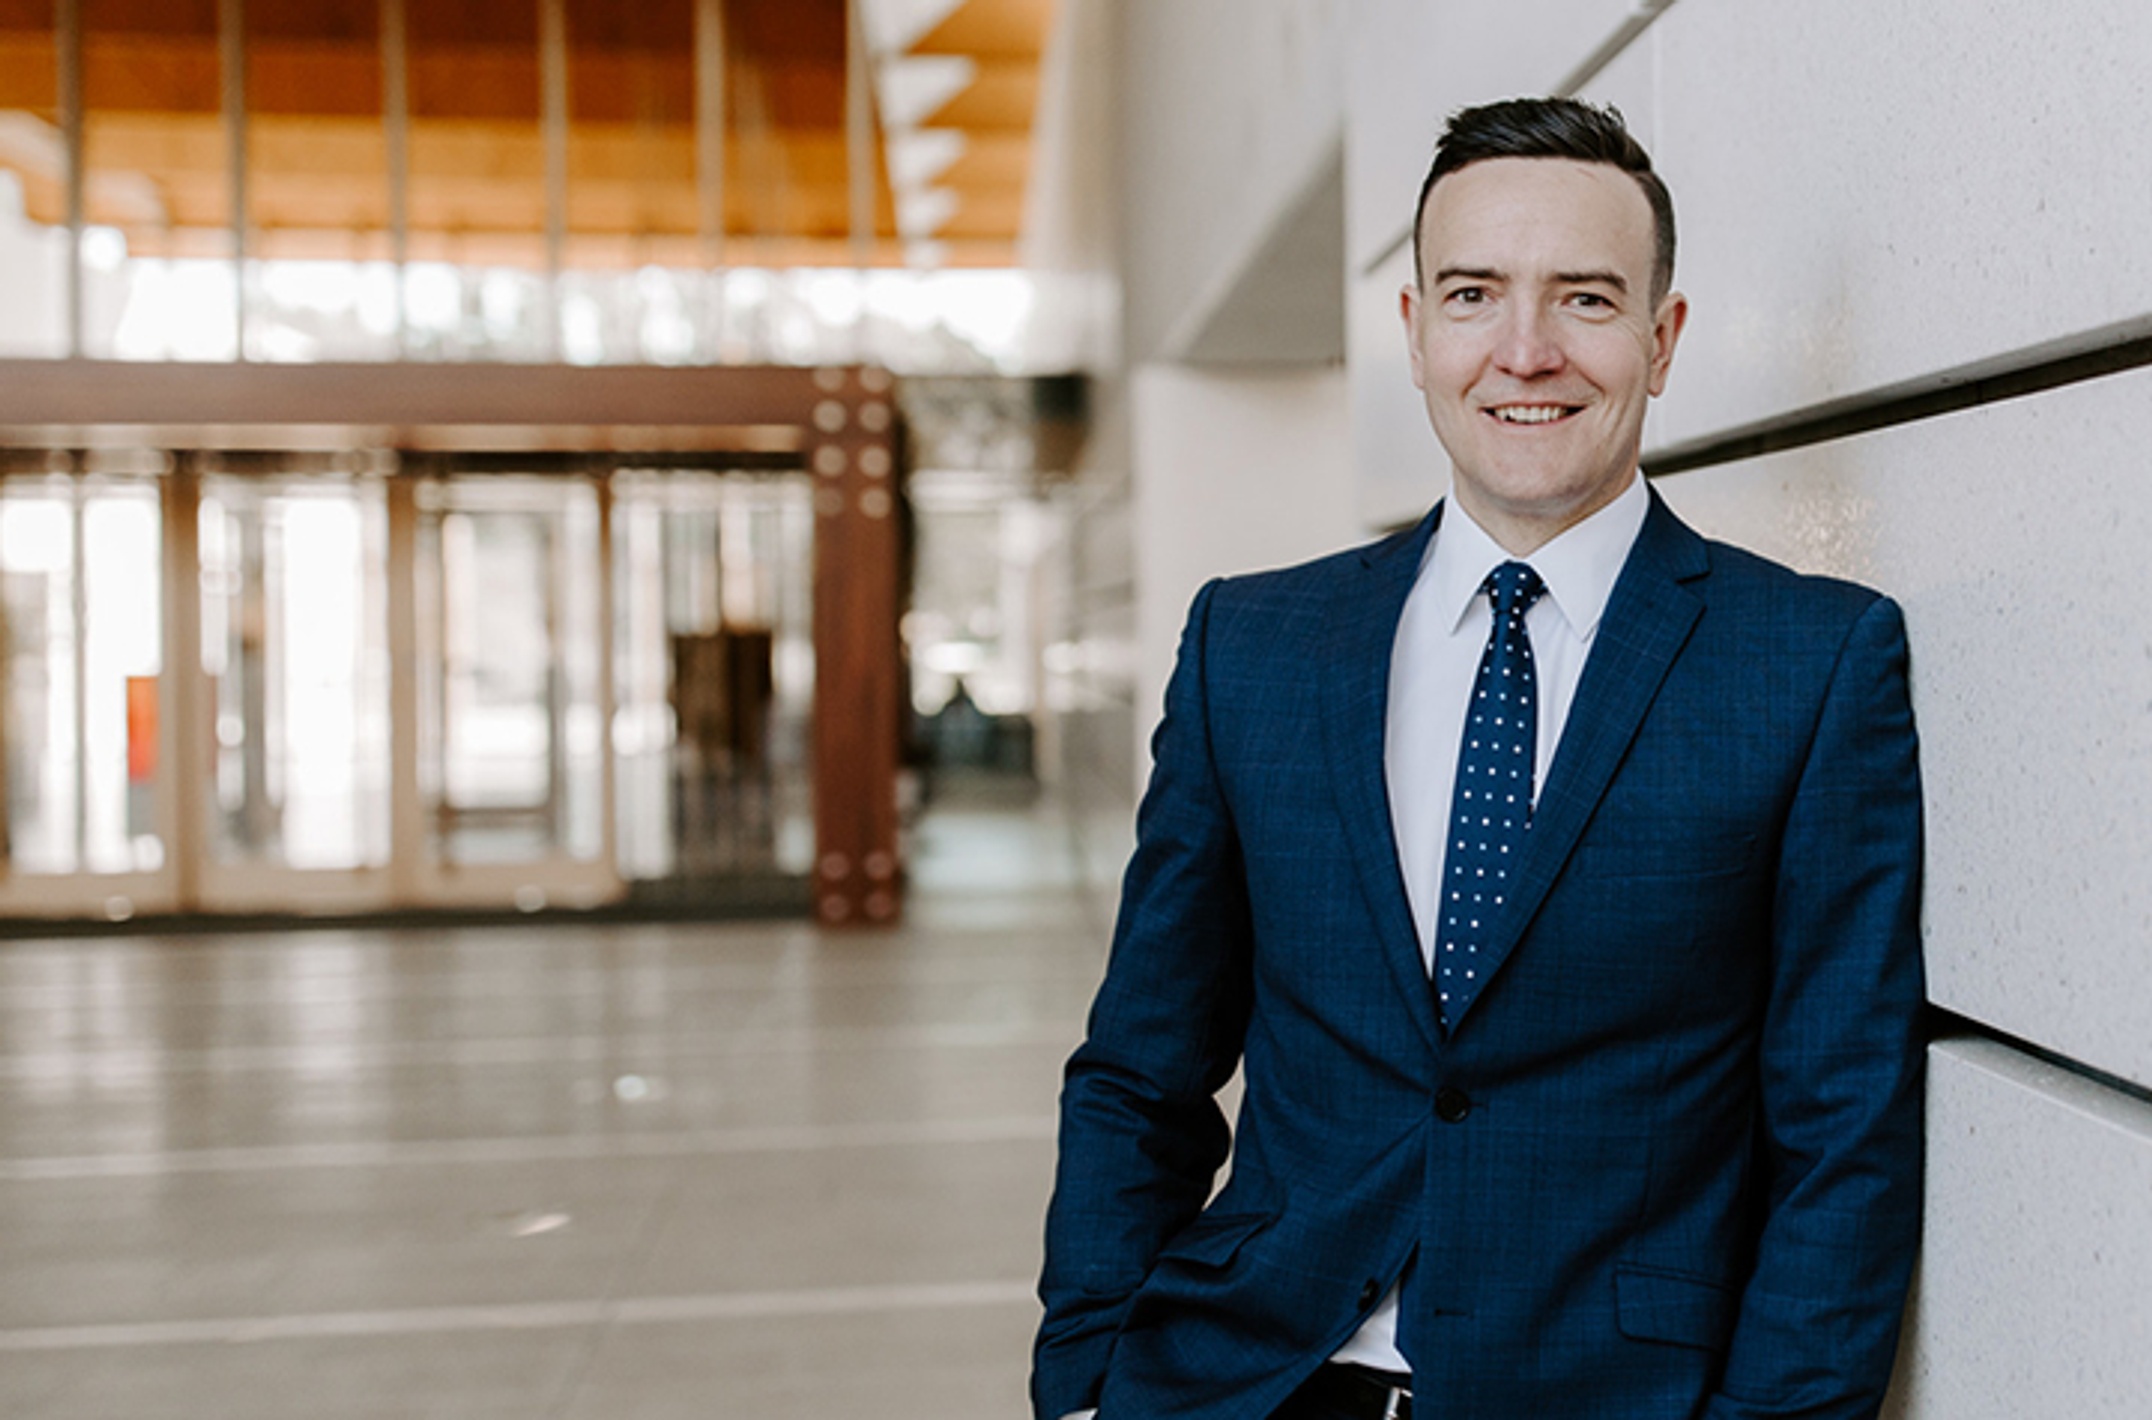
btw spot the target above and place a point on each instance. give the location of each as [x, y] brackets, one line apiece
[558, 1171]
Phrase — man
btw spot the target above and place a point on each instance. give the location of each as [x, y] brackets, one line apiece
[1551, 875]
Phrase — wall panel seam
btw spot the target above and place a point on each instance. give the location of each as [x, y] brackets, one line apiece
[1931, 396]
[1945, 1026]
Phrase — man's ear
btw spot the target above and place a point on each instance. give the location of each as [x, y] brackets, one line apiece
[1666, 330]
[1408, 306]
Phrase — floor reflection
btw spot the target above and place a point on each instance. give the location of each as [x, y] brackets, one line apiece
[650, 1170]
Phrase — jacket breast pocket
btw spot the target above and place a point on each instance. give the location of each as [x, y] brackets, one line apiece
[1667, 852]
[1676, 1307]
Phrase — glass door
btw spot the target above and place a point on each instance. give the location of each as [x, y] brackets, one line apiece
[269, 683]
[512, 751]
[714, 660]
[81, 658]
[295, 677]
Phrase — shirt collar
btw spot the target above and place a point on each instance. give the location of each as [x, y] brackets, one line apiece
[1579, 566]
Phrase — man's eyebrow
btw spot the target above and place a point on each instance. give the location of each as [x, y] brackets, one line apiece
[1593, 278]
[1609, 278]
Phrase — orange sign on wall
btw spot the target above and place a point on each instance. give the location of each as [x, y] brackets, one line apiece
[141, 728]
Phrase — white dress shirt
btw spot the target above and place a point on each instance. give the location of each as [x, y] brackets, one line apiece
[1434, 661]
[1433, 664]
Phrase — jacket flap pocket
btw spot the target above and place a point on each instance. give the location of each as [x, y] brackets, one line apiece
[1673, 851]
[1670, 1306]
[1213, 1238]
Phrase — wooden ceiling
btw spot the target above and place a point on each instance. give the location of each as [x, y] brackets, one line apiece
[158, 149]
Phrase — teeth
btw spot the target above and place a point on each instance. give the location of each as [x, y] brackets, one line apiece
[1530, 413]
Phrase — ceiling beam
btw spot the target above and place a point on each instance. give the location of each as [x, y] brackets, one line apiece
[318, 93]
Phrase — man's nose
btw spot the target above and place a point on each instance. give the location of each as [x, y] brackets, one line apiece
[1529, 343]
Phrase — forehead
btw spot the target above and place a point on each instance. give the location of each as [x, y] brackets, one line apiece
[1519, 215]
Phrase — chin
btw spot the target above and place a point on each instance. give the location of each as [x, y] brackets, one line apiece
[1538, 497]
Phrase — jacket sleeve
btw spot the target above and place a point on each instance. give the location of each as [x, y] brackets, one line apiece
[1840, 1060]
[1142, 1136]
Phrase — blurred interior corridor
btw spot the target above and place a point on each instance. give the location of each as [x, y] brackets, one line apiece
[485, 484]
[750, 1170]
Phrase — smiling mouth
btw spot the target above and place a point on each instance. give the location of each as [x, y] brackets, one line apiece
[1533, 413]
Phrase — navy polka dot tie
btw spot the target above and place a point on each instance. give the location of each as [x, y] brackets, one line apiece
[1491, 806]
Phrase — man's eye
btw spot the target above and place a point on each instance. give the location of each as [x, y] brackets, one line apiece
[1467, 295]
[1591, 299]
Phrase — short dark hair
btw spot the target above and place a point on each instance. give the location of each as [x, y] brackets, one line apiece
[1552, 128]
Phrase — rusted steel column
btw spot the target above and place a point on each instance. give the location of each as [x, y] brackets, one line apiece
[851, 451]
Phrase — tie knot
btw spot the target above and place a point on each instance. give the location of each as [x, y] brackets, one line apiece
[1514, 586]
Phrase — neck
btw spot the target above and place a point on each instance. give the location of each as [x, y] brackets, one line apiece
[1521, 533]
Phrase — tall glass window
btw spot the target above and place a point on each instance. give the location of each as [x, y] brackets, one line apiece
[477, 290]
[714, 664]
[512, 756]
[81, 599]
[293, 644]
[320, 285]
[157, 256]
[33, 193]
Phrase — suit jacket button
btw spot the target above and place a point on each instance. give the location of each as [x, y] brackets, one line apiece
[1369, 1293]
[1452, 1104]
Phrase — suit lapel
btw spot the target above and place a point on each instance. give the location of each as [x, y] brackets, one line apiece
[1363, 618]
[1647, 620]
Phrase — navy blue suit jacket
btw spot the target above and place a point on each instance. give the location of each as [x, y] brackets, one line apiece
[1685, 1178]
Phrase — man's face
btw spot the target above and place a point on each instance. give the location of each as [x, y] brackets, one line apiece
[1535, 340]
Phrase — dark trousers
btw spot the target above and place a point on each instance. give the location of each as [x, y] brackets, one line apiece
[1321, 1398]
[1306, 1407]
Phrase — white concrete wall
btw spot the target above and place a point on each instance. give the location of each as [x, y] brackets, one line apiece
[1234, 471]
[1231, 113]
[1884, 192]
[2032, 1298]
[1071, 230]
